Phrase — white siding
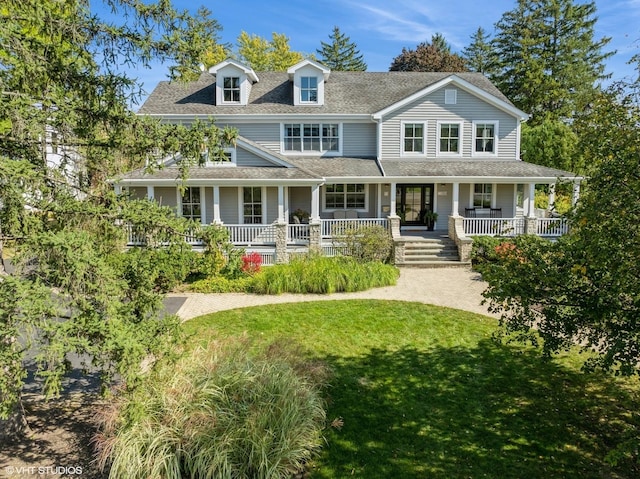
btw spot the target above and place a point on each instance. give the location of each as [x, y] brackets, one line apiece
[432, 109]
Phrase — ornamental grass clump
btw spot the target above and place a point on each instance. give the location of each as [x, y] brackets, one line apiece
[224, 411]
[324, 275]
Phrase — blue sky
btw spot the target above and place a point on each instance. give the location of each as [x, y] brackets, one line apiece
[381, 28]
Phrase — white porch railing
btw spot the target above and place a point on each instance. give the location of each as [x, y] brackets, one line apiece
[552, 226]
[297, 233]
[252, 234]
[493, 226]
[332, 227]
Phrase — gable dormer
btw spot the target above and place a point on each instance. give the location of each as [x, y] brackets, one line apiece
[233, 82]
[308, 79]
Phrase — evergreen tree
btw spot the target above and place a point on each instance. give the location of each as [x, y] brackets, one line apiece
[341, 54]
[479, 55]
[550, 63]
[429, 57]
[74, 290]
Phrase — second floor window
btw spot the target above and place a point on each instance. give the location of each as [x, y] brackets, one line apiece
[449, 138]
[308, 89]
[485, 138]
[308, 137]
[231, 89]
[413, 138]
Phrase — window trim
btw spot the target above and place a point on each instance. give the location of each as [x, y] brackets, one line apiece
[263, 204]
[315, 89]
[302, 151]
[202, 193]
[325, 209]
[223, 164]
[472, 194]
[231, 89]
[496, 126]
[460, 139]
[414, 154]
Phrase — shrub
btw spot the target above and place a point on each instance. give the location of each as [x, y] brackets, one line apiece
[221, 284]
[365, 243]
[485, 250]
[251, 262]
[318, 274]
[162, 268]
[223, 411]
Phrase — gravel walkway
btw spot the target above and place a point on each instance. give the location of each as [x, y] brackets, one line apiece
[459, 288]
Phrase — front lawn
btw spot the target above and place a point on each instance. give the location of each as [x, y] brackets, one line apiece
[425, 392]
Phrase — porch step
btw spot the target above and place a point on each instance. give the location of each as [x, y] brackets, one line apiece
[430, 252]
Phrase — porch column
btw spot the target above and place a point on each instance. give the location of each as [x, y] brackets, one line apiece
[216, 205]
[455, 206]
[530, 196]
[379, 201]
[315, 203]
[151, 194]
[281, 208]
[552, 196]
[576, 193]
[393, 200]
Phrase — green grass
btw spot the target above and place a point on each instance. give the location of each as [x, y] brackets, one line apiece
[425, 392]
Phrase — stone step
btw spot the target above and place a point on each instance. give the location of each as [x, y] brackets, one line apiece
[431, 253]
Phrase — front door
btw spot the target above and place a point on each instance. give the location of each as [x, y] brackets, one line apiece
[411, 203]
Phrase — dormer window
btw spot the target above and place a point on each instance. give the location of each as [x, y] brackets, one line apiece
[309, 79]
[233, 82]
[309, 89]
[231, 89]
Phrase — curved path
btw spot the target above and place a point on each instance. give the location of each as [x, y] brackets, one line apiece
[458, 288]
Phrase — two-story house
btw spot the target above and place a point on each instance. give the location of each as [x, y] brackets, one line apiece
[389, 148]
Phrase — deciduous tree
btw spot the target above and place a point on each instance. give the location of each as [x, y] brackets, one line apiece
[267, 55]
[429, 57]
[583, 291]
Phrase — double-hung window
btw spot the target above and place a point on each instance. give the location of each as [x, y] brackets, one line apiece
[482, 195]
[252, 204]
[311, 137]
[485, 138]
[191, 206]
[231, 89]
[345, 195]
[449, 140]
[308, 89]
[413, 138]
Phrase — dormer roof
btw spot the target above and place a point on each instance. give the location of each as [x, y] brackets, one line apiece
[240, 66]
[306, 62]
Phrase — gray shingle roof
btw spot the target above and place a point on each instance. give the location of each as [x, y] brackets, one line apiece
[345, 93]
[222, 173]
[470, 168]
